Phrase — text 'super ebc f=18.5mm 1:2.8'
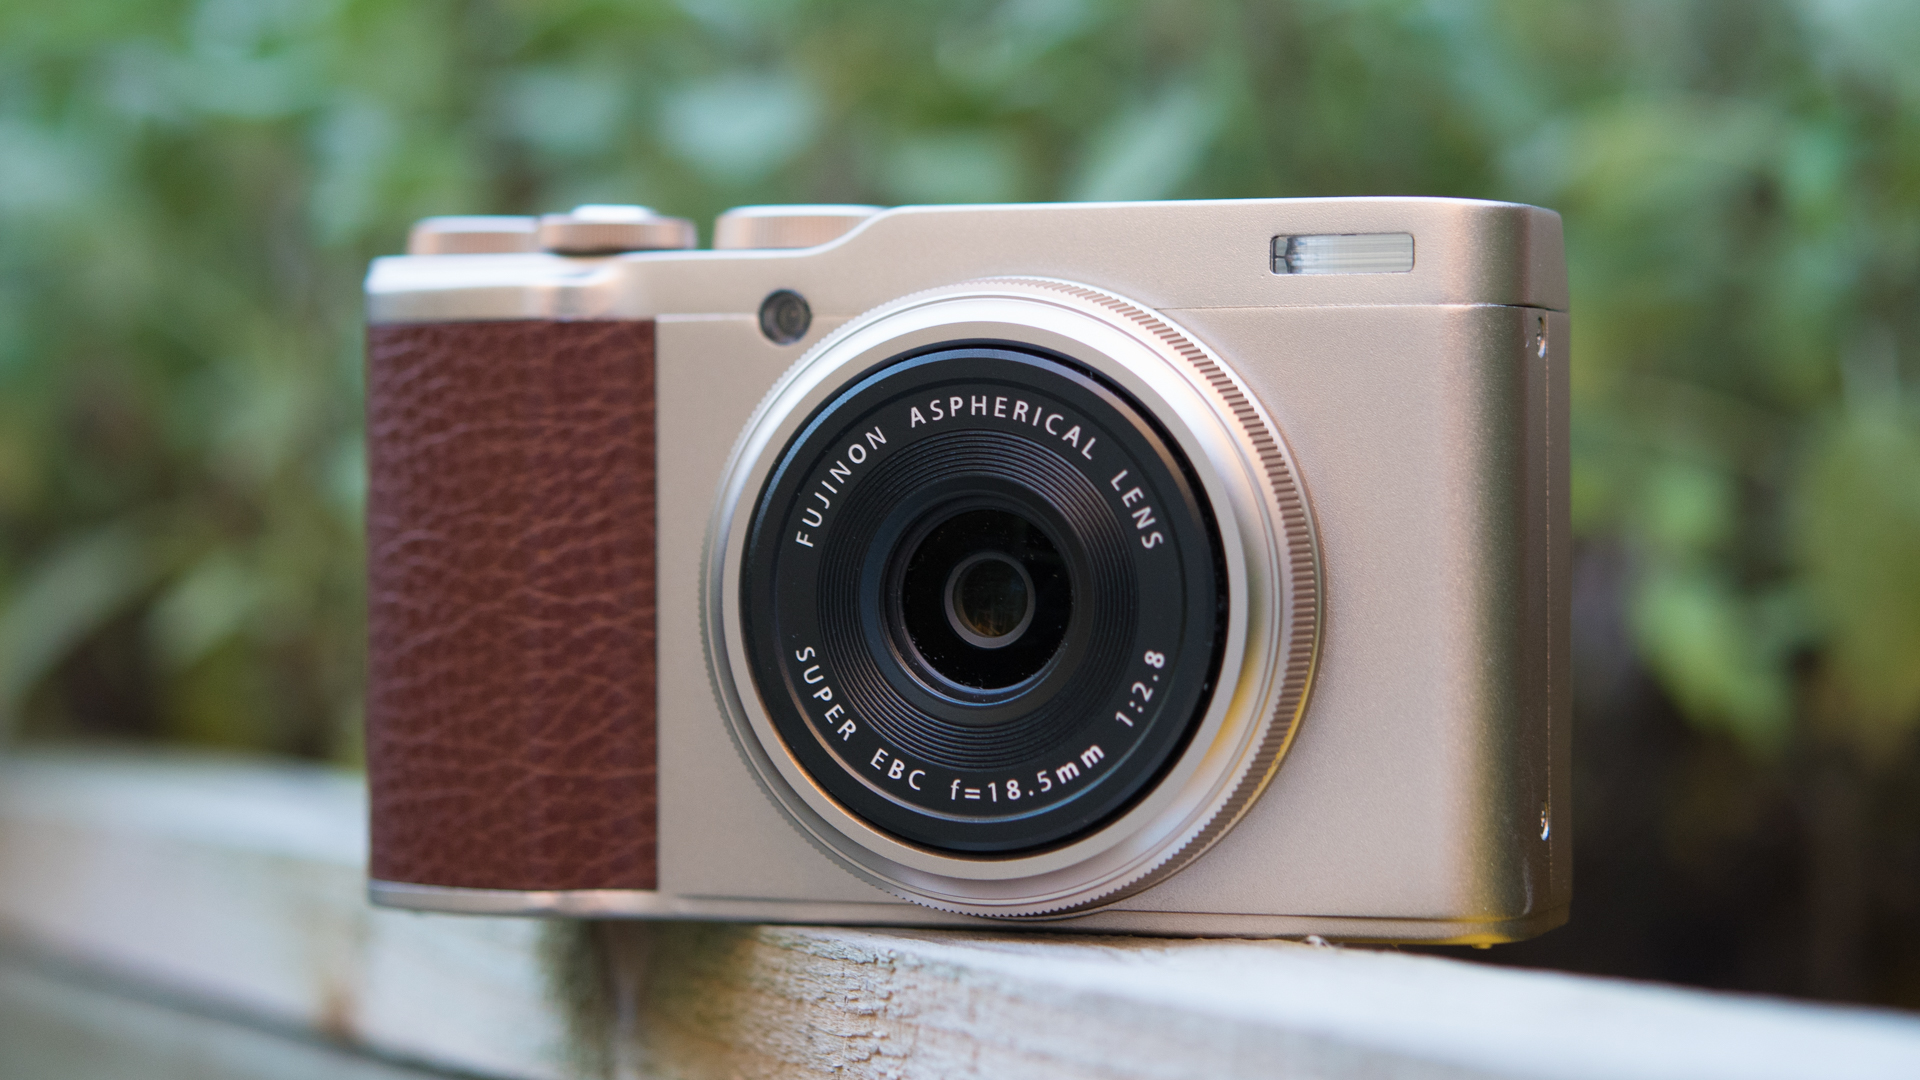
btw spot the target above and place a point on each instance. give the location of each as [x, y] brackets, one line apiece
[982, 599]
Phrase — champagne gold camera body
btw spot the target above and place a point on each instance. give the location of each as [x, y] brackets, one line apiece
[1177, 568]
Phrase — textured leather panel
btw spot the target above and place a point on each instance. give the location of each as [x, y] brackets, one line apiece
[510, 716]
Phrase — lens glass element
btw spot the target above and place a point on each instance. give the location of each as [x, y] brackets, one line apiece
[988, 600]
[985, 600]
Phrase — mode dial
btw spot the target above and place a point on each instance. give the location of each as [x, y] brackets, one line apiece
[597, 229]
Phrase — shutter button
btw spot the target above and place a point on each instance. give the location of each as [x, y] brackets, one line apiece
[609, 230]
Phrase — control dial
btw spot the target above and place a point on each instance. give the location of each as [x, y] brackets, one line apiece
[471, 235]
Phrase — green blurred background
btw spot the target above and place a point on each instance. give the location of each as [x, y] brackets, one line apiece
[189, 193]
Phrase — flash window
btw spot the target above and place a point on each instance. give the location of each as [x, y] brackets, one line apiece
[1349, 253]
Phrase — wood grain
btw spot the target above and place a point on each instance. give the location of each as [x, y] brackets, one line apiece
[806, 1002]
[235, 888]
[55, 1026]
[241, 886]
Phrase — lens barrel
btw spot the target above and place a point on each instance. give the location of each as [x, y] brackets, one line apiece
[983, 599]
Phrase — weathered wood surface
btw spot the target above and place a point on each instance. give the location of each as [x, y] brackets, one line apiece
[224, 901]
[59, 1024]
[241, 886]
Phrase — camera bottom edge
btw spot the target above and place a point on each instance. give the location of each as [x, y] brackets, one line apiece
[645, 904]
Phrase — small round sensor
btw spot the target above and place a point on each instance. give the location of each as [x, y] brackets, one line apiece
[785, 316]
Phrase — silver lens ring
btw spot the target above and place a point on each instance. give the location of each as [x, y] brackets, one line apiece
[1273, 585]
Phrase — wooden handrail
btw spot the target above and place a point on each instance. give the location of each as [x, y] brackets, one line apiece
[228, 894]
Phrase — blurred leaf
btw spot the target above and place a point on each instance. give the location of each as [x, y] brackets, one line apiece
[1689, 507]
[570, 112]
[740, 127]
[345, 479]
[1859, 535]
[42, 170]
[60, 601]
[1718, 653]
[354, 151]
[1149, 152]
[201, 610]
[989, 52]
[253, 58]
[1875, 38]
[954, 167]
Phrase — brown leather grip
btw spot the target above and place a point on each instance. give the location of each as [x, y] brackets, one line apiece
[510, 533]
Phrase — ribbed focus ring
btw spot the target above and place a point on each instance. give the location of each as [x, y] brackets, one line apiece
[1302, 602]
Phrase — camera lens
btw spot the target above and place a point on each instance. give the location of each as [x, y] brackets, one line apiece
[981, 598]
[1012, 597]
[985, 600]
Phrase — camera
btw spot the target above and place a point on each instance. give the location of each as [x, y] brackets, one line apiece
[1179, 568]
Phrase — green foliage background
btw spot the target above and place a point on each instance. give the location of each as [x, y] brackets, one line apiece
[189, 193]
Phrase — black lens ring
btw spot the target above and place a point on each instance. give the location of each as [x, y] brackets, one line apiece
[1089, 734]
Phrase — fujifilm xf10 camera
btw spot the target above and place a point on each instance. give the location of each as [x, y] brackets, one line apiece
[1190, 568]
